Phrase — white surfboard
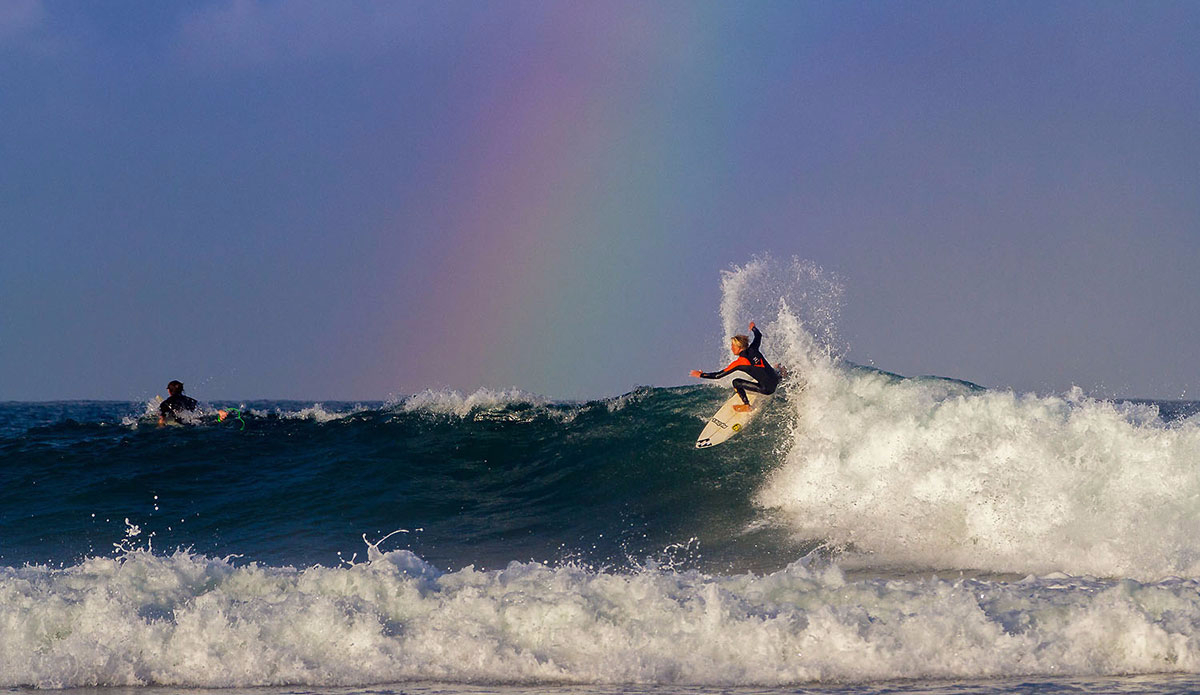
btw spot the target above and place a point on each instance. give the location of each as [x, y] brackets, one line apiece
[728, 422]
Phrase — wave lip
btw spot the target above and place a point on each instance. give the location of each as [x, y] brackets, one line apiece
[186, 620]
[456, 404]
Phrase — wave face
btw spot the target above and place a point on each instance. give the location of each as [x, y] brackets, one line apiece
[515, 539]
[477, 480]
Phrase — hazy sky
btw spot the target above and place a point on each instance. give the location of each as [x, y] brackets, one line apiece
[356, 200]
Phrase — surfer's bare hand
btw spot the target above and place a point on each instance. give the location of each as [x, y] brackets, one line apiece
[751, 325]
[696, 372]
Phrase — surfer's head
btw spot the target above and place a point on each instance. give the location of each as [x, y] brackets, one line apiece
[175, 388]
[738, 343]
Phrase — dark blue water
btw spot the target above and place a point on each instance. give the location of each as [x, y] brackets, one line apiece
[604, 483]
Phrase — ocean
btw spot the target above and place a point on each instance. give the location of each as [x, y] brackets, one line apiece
[494, 542]
[868, 533]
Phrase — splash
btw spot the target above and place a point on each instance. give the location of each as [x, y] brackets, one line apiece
[798, 300]
[937, 473]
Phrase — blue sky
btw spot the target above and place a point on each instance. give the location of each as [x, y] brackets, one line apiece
[357, 200]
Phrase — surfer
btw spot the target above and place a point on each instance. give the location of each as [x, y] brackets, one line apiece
[170, 409]
[752, 363]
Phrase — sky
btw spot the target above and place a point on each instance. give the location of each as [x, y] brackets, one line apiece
[362, 200]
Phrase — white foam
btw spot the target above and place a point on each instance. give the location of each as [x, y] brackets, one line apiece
[638, 395]
[935, 473]
[185, 620]
[509, 404]
[316, 413]
[923, 473]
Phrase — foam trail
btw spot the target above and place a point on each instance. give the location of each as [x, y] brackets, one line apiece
[937, 473]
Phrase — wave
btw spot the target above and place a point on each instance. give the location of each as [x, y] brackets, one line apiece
[885, 472]
[146, 414]
[489, 477]
[929, 472]
[454, 403]
[194, 621]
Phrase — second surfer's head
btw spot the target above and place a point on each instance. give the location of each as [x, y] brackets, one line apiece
[738, 343]
[175, 388]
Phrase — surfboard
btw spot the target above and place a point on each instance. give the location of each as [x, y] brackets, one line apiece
[728, 422]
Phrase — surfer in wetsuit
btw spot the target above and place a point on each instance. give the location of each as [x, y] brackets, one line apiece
[752, 363]
[170, 409]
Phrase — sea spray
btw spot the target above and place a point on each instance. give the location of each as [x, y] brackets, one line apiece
[799, 293]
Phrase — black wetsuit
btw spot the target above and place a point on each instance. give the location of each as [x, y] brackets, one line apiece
[752, 363]
[171, 407]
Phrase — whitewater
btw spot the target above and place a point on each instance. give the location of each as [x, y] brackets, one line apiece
[869, 533]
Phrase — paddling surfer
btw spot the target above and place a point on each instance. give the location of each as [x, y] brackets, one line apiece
[177, 403]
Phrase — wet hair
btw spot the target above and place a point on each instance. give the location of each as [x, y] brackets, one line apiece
[175, 387]
[742, 341]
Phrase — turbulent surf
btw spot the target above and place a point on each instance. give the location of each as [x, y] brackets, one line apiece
[867, 527]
